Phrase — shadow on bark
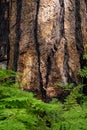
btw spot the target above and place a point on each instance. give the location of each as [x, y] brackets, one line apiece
[78, 31]
[18, 34]
[79, 39]
[4, 31]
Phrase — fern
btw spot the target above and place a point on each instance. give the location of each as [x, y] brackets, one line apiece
[19, 110]
[65, 86]
[83, 72]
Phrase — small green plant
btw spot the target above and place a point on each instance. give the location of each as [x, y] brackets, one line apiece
[65, 86]
[19, 110]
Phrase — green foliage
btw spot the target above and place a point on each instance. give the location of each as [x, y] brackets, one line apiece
[85, 56]
[19, 110]
[6, 76]
[83, 72]
[74, 98]
[66, 86]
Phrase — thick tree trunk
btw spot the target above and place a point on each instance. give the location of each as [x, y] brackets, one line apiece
[47, 38]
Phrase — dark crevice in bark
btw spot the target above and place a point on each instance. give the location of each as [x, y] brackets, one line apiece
[86, 5]
[18, 34]
[2, 59]
[86, 12]
[62, 13]
[49, 66]
[4, 31]
[78, 31]
[8, 45]
[10, 4]
[43, 91]
[85, 62]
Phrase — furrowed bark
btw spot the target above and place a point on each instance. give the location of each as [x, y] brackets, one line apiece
[47, 39]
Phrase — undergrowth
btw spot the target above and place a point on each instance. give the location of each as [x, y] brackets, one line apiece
[19, 110]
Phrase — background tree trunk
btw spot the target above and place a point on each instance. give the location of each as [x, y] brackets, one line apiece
[47, 39]
[4, 33]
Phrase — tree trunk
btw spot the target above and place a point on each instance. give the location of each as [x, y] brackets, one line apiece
[4, 33]
[47, 39]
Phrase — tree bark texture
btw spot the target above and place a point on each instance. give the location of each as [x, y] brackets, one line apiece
[47, 39]
[4, 33]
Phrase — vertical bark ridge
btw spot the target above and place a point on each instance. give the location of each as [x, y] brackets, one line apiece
[38, 49]
[72, 53]
[65, 71]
